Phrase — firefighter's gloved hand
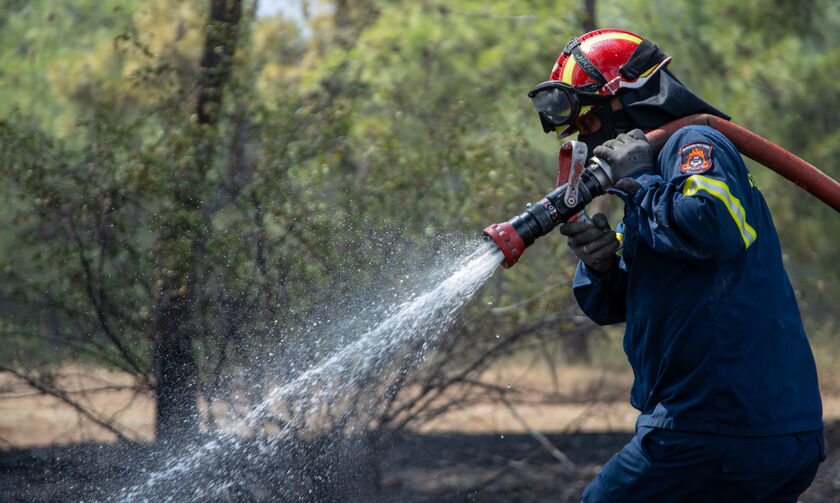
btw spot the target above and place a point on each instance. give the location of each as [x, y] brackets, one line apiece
[628, 153]
[594, 246]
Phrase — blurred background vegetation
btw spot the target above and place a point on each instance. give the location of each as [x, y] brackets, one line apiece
[188, 189]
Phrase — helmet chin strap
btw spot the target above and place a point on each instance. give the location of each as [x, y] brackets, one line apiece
[613, 123]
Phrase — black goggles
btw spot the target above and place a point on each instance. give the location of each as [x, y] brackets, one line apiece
[559, 103]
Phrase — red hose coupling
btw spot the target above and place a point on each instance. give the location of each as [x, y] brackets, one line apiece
[507, 239]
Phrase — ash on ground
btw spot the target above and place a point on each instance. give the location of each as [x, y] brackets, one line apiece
[410, 469]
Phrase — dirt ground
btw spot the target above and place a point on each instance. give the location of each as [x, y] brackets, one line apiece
[484, 453]
[588, 400]
[30, 419]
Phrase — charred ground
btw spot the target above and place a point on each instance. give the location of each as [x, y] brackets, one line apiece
[412, 468]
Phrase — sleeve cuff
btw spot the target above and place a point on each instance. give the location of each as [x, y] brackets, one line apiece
[584, 276]
[646, 178]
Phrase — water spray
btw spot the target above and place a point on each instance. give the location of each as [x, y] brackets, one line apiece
[381, 337]
[580, 185]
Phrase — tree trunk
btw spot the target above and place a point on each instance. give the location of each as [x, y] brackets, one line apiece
[175, 370]
[589, 20]
[219, 46]
[175, 364]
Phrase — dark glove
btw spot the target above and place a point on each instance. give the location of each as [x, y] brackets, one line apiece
[594, 246]
[628, 153]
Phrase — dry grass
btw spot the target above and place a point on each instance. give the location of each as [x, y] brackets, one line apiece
[546, 398]
[588, 399]
[565, 399]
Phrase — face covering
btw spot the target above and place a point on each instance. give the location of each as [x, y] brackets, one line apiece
[613, 123]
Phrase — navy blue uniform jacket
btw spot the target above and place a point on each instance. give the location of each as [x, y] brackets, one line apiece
[713, 333]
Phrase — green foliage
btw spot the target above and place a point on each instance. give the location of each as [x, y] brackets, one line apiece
[441, 127]
[46, 44]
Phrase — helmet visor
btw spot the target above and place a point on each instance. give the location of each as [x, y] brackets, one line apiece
[555, 106]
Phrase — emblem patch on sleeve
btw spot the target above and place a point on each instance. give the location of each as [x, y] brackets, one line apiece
[695, 158]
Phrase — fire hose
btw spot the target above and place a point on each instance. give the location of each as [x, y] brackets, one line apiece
[567, 201]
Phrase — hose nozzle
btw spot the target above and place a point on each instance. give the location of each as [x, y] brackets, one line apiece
[506, 238]
[538, 219]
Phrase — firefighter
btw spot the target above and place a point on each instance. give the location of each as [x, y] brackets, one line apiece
[725, 379]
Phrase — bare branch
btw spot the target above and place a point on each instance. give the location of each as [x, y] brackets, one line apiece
[91, 293]
[76, 392]
[65, 397]
[431, 392]
[539, 437]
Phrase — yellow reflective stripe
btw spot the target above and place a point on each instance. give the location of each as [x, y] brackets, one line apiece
[649, 70]
[696, 183]
[752, 180]
[589, 42]
[620, 238]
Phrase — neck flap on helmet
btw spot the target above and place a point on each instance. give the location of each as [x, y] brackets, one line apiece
[662, 98]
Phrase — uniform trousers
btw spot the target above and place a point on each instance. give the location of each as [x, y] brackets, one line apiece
[667, 466]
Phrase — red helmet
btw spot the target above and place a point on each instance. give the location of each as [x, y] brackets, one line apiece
[600, 62]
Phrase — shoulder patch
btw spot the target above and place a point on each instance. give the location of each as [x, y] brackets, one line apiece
[695, 158]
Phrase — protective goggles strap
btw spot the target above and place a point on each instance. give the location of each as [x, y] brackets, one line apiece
[573, 48]
[591, 88]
